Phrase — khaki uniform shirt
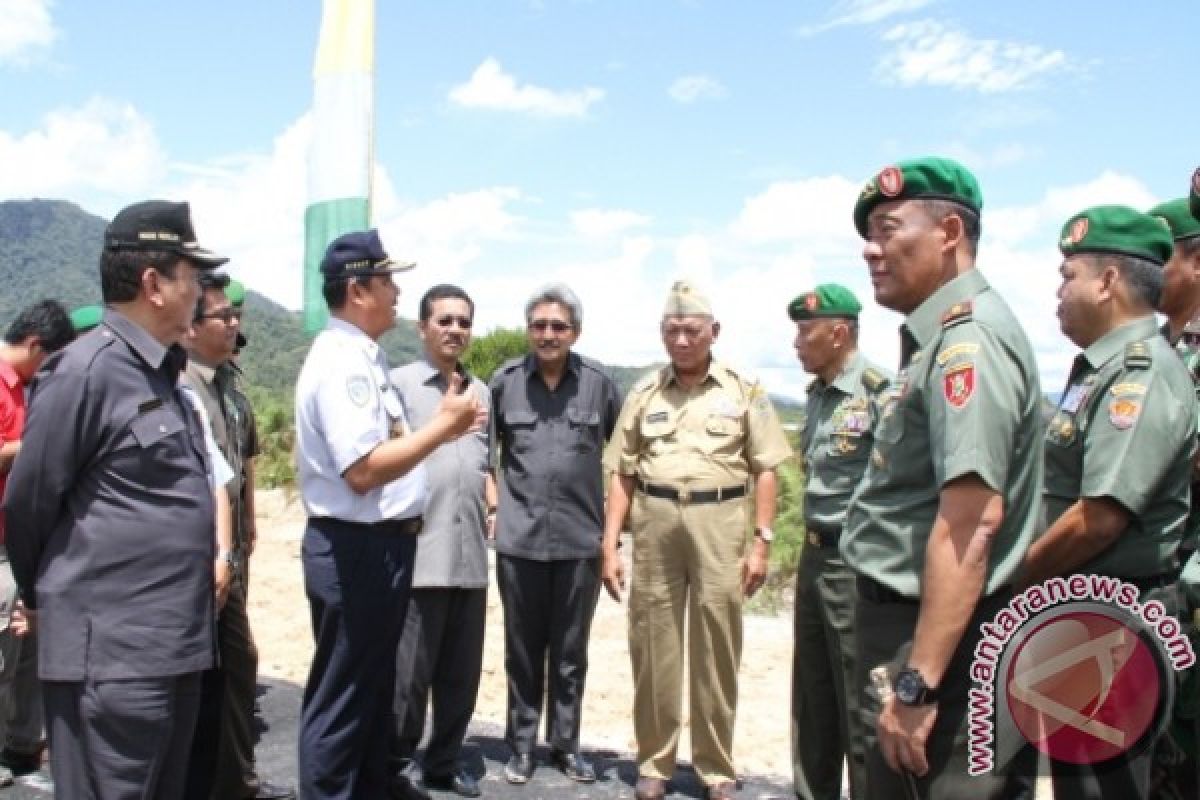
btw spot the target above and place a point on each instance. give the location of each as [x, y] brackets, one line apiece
[712, 436]
[1125, 429]
[967, 401]
[839, 434]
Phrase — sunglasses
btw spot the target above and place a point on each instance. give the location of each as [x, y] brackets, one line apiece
[226, 315]
[556, 325]
[450, 319]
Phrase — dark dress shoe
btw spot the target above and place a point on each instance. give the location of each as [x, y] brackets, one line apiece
[650, 788]
[21, 763]
[272, 791]
[519, 768]
[574, 766]
[458, 782]
[721, 791]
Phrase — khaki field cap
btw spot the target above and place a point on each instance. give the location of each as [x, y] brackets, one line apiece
[684, 300]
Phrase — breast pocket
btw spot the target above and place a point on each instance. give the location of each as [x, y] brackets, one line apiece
[658, 429]
[153, 427]
[520, 426]
[585, 429]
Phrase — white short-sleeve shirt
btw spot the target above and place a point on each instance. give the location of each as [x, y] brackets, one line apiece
[345, 408]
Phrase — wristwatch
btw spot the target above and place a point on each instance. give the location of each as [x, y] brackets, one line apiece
[766, 534]
[912, 690]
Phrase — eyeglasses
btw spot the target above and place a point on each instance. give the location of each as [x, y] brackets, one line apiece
[226, 315]
[556, 325]
[452, 319]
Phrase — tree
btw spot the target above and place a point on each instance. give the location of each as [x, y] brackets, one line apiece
[488, 352]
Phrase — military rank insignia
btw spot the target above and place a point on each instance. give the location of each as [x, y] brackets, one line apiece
[958, 384]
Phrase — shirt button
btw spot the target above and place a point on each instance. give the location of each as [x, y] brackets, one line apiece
[162, 428]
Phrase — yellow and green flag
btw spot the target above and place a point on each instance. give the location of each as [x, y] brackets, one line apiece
[341, 152]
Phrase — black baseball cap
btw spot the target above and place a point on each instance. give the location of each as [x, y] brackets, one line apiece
[159, 225]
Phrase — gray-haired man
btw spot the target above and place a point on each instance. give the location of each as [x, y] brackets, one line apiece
[553, 411]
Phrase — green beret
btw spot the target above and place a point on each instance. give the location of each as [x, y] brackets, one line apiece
[827, 300]
[1178, 216]
[84, 318]
[1116, 229]
[236, 292]
[931, 178]
[1194, 197]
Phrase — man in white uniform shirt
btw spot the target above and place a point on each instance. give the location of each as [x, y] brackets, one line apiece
[364, 492]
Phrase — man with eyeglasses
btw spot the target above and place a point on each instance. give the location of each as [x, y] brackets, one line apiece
[117, 515]
[692, 440]
[442, 643]
[554, 410]
[364, 489]
[223, 749]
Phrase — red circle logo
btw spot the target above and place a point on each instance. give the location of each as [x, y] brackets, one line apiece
[1196, 181]
[1086, 687]
[1079, 229]
[891, 181]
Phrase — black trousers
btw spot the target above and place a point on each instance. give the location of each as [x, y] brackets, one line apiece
[121, 739]
[357, 578]
[548, 609]
[884, 633]
[222, 761]
[440, 654]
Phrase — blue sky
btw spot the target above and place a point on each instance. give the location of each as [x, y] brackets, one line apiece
[616, 145]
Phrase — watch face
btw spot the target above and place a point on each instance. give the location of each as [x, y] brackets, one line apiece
[908, 687]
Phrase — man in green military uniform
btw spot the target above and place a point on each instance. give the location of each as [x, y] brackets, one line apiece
[842, 411]
[1119, 448]
[1177, 770]
[689, 439]
[947, 507]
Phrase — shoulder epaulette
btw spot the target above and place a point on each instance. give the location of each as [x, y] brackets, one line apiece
[1137, 355]
[959, 312]
[874, 380]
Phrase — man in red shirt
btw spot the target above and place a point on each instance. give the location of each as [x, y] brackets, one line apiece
[38, 331]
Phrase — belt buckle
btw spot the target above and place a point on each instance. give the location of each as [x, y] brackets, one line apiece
[814, 539]
[683, 496]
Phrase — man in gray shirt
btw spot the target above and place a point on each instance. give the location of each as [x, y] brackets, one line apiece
[442, 642]
[112, 519]
[553, 412]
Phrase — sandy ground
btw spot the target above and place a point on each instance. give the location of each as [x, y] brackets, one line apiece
[279, 614]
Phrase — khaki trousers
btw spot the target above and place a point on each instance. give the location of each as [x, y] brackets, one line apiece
[686, 557]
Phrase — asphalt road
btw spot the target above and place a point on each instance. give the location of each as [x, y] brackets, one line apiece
[485, 755]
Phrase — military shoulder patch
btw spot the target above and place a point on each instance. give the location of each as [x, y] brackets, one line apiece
[1137, 355]
[874, 380]
[959, 312]
[958, 385]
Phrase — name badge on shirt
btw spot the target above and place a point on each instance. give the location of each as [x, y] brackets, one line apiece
[1074, 399]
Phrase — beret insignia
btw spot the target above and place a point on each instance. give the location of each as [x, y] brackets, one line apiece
[891, 181]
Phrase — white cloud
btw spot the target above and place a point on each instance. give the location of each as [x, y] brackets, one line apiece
[863, 12]
[929, 52]
[817, 209]
[599, 223]
[690, 88]
[27, 30]
[490, 87]
[103, 147]
[1038, 223]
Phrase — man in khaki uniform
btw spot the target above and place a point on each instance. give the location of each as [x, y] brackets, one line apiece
[689, 439]
[841, 414]
[1119, 448]
[947, 507]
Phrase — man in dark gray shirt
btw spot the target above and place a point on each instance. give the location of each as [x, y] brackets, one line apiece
[112, 523]
[441, 646]
[553, 412]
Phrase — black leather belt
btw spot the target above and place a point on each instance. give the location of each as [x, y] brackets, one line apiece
[818, 536]
[695, 496]
[874, 591]
[409, 527]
